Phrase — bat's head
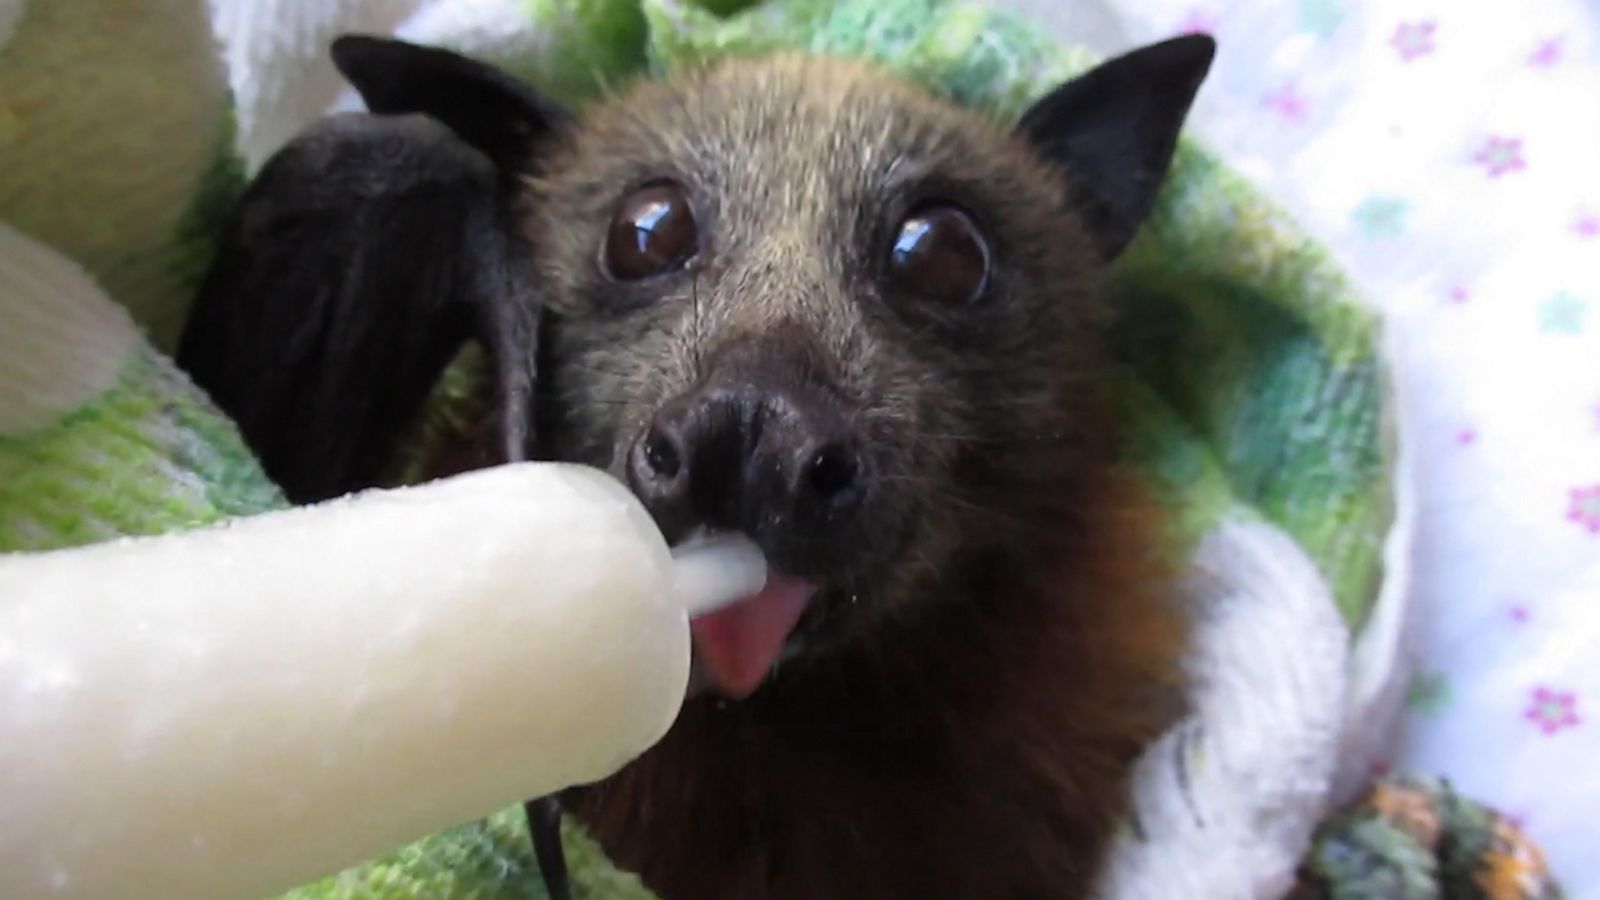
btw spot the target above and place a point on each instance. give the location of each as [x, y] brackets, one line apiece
[799, 298]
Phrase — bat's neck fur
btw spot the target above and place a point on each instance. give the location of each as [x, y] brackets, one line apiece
[979, 751]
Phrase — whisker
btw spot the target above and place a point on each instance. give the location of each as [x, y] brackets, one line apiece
[695, 338]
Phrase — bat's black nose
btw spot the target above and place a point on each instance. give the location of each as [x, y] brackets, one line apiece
[782, 464]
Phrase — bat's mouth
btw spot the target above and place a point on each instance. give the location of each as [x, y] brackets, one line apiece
[759, 447]
[807, 608]
[736, 646]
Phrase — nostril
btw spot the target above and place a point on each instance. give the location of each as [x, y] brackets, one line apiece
[832, 471]
[660, 464]
[661, 455]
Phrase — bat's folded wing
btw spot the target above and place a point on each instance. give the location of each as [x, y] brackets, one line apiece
[361, 258]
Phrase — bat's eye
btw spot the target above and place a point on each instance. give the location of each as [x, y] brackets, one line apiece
[653, 232]
[939, 254]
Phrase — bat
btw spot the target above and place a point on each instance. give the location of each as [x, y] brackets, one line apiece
[797, 297]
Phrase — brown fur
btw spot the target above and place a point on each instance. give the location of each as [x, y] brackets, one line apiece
[975, 680]
[981, 752]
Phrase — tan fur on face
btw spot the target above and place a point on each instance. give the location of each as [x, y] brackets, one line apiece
[963, 725]
[799, 168]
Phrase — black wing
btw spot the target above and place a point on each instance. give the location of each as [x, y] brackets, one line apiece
[361, 258]
[358, 262]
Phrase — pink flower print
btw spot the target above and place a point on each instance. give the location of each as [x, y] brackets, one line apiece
[1583, 507]
[1467, 437]
[1547, 54]
[1587, 225]
[1459, 294]
[1519, 614]
[1287, 102]
[1500, 155]
[1413, 39]
[1198, 21]
[1552, 710]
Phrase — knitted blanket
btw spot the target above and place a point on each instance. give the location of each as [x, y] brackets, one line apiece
[1253, 373]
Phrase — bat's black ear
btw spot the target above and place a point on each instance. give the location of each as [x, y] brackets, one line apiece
[491, 110]
[1114, 128]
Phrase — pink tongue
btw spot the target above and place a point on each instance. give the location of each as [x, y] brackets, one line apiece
[739, 643]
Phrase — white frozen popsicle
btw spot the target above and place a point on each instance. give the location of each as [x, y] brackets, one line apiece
[235, 711]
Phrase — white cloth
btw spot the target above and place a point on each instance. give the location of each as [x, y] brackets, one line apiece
[1448, 154]
[276, 52]
[1227, 801]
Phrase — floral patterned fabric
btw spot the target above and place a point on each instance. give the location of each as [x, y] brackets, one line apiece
[1449, 154]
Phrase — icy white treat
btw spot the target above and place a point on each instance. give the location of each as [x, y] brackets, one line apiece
[235, 711]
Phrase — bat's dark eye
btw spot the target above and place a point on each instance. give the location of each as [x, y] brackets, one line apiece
[653, 232]
[938, 253]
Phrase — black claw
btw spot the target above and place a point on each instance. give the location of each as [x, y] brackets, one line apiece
[544, 826]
